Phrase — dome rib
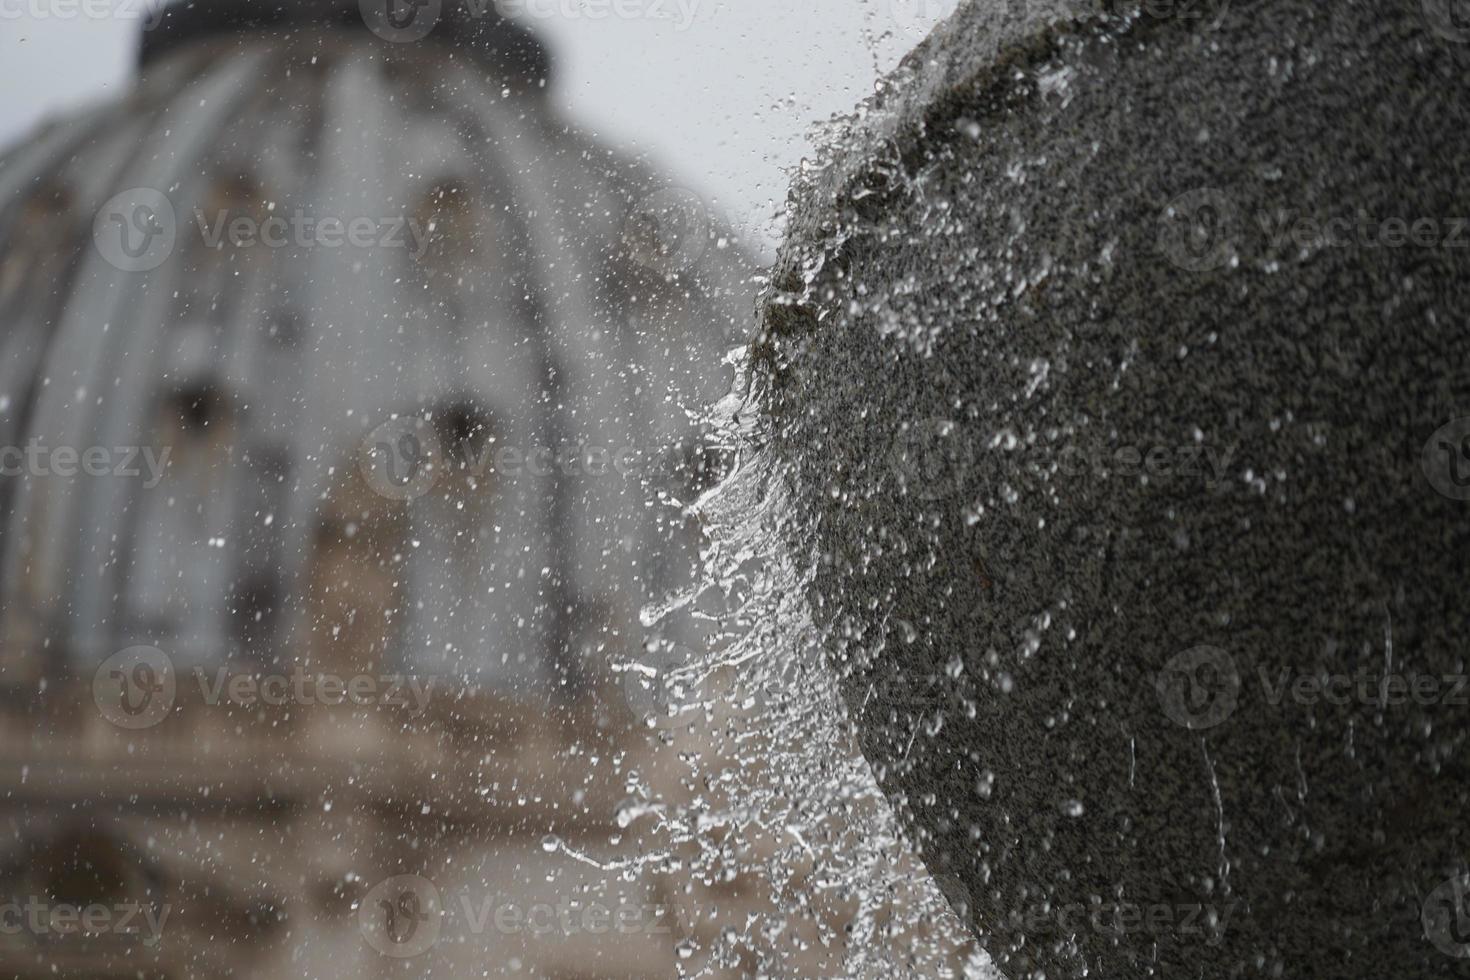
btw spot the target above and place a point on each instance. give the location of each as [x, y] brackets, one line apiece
[192, 355]
[510, 182]
[99, 297]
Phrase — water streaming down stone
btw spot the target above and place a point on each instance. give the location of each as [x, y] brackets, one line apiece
[1053, 382]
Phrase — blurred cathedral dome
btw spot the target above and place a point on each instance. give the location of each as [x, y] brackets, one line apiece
[346, 333]
[332, 350]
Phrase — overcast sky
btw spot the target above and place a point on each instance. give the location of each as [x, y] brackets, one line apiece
[721, 92]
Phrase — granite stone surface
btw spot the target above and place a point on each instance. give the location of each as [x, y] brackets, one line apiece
[1117, 358]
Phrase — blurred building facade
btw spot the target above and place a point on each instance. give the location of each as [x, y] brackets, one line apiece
[348, 416]
[384, 372]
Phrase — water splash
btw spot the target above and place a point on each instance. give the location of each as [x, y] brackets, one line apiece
[788, 805]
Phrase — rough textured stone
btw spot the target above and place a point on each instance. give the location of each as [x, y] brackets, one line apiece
[1052, 242]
